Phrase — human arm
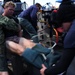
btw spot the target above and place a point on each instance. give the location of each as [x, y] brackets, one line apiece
[9, 24]
[67, 55]
[62, 65]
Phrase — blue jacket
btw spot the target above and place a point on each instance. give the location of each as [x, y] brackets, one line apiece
[30, 14]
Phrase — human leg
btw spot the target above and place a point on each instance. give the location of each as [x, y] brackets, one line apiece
[28, 30]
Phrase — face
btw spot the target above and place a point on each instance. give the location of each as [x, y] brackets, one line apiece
[9, 11]
[66, 26]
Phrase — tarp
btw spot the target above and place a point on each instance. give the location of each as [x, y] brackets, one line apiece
[59, 1]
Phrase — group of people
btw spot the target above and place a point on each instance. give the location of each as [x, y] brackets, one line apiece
[12, 26]
[66, 18]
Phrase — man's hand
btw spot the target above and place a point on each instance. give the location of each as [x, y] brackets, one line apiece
[20, 31]
[43, 69]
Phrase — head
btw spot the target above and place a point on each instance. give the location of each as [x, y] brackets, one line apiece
[38, 5]
[9, 8]
[66, 14]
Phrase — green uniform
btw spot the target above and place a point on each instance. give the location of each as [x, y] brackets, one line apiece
[9, 24]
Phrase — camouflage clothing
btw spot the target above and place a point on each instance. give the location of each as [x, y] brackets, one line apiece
[10, 25]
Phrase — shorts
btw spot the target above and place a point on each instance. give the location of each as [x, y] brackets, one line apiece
[34, 57]
[39, 55]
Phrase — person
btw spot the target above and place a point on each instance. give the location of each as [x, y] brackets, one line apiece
[67, 19]
[8, 12]
[31, 14]
[9, 8]
[10, 25]
[28, 30]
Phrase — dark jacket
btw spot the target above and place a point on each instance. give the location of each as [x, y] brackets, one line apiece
[30, 14]
[10, 25]
[67, 55]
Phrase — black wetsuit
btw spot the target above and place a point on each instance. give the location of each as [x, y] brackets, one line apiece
[67, 55]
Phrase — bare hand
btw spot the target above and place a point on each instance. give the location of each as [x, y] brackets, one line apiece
[43, 69]
[20, 33]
